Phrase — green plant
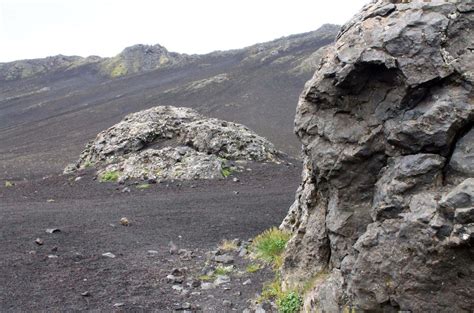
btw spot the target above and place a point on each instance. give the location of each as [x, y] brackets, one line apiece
[88, 164]
[226, 171]
[109, 176]
[290, 303]
[228, 245]
[252, 268]
[221, 270]
[270, 244]
[271, 290]
[8, 184]
[206, 277]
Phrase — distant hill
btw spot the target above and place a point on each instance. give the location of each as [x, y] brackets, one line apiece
[50, 108]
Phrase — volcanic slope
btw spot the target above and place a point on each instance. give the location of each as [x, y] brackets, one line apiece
[50, 108]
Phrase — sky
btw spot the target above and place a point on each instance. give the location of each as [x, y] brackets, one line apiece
[34, 29]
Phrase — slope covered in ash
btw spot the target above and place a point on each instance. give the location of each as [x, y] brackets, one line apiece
[50, 108]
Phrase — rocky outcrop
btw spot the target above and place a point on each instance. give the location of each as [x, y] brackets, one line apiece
[385, 210]
[164, 143]
[141, 58]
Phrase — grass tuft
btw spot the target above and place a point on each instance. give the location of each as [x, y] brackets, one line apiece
[110, 176]
[269, 245]
[252, 268]
[226, 171]
[228, 245]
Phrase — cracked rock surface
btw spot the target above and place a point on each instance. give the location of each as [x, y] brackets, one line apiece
[166, 143]
[384, 218]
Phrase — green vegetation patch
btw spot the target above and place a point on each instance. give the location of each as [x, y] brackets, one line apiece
[228, 245]
[289, 303]
[252, 268]
[226, 171]
[110, 176]
[269, 245]
[223, 270]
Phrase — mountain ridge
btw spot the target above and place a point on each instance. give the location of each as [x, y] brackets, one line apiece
[47, 118]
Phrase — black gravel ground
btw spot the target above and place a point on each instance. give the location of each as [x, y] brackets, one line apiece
[194, 215]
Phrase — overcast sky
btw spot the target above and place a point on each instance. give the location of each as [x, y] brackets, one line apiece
[33, 29]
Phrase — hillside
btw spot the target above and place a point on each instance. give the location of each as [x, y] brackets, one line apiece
[50, 108]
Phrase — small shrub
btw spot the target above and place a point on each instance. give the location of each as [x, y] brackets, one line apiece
[270, 244]
[88, 164]
[289, 303]
[110, 176]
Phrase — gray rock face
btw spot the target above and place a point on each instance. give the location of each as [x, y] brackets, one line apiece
[383, 219]
[165, 143]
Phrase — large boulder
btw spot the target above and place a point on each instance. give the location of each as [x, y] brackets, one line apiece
[384, 212]
[165, 143]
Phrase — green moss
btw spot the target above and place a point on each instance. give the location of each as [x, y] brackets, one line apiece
[118, 70]
[110, 176]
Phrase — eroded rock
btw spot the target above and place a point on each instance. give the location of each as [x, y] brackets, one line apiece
[382, 220]
[166, 143]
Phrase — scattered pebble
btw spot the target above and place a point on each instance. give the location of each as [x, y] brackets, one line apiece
[227, 303]
[235, 180]
[78, 178]
[124, 221]
[39, 241]
[108, 255]
[224, 259]
[207, 286]
[119, 304]
[152, 252]
[221, 279]
[177, 288]
[52, 230]
[52, 256]
[126, 189]
[50, 200]
[173, 247]
[247, 282]
[86, 294]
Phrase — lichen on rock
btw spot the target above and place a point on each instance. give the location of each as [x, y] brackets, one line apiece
[165, 143]
[385, 205]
